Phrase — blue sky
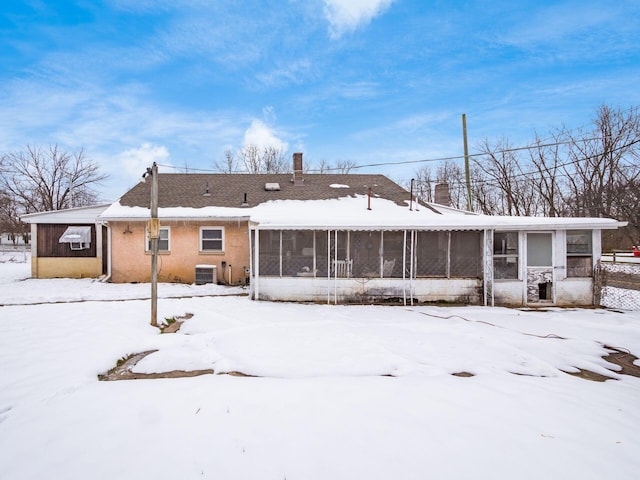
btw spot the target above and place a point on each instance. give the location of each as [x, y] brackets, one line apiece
[178, 82]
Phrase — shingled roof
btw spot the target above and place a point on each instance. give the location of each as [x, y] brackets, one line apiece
[197, 190]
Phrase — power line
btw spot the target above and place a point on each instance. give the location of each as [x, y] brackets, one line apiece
[410, 162]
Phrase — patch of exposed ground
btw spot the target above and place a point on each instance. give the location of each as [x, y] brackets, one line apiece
[625, 360]
[123, 369]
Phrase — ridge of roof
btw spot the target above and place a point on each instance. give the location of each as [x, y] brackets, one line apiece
[198, 190]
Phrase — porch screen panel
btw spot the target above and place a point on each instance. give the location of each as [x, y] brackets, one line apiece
[431, 254]
[365, 252]
[392, 243]
[297, 253]
[466, 254]
[340, 249]
[321, 253]
[269, 252]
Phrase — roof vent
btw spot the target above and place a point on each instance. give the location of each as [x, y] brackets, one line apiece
[206, 193]
[272, 187]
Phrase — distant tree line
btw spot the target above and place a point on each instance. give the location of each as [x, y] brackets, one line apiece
[37, 179]
[270, 159]
[592, 171]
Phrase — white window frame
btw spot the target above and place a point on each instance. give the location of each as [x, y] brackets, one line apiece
[148, 240]
[586, 255]
[200, 239]
[509, 257]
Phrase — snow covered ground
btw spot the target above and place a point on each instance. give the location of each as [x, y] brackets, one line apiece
[341, 392]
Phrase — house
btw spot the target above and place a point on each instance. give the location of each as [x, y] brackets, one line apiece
[337, 238]
[68, 243]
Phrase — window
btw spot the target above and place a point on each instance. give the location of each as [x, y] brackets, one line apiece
[539, 250]
[78, 238]
[579, 253]
[164, 241]
[211, 239]
[505, 255]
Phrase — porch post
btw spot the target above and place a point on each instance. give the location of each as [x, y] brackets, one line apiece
[256, 279]
[413, 239]
[328, 267]
[404, 268]
[487, 266]
[335, 268]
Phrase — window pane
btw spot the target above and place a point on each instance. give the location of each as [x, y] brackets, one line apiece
[431, 254]
[211, 239]
[211, 244]
[505, 243]
[579, 266]
[466, 254]
[539, 249]
[579, 241]
[505, 267]
[163, 240]
[212, 234]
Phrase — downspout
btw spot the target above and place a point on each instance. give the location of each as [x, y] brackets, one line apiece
[108, 276]
[250, 261]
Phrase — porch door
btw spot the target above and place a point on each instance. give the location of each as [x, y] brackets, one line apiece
[539, 267]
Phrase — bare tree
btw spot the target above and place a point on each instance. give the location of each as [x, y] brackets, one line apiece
[253, 159]
[603, 161]
[228, 164]
[422, 184]
[41, 179]
[274, 161]
[339, 166]
[451, 173]
[545, 160]
[344, 166]
[500, 168]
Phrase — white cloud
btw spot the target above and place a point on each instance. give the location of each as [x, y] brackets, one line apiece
[136, 160]
[262, 135]
[347, 15]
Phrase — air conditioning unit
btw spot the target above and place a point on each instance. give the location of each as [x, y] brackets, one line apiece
[206, 274]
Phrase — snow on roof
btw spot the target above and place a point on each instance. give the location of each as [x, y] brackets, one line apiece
[338, 185]
[68, 215]
[352, 213]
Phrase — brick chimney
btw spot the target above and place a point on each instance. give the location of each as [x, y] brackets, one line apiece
[441, 194]
[297, 169]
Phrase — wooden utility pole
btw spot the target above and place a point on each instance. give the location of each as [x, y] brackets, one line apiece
[466, 162]
[154, 234]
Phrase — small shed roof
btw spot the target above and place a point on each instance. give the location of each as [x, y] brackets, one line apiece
[83, 215]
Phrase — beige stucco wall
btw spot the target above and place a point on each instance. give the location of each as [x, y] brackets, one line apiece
[69, 267]
[130, 262]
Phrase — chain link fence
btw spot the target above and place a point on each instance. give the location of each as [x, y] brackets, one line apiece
[618, 285]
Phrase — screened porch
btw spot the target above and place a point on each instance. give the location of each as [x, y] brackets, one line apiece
[381, 262]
